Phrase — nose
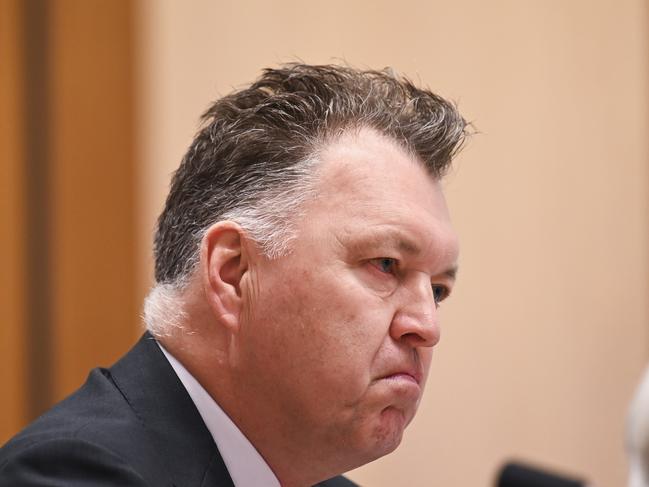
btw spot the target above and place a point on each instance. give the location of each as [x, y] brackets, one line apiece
[415, 322]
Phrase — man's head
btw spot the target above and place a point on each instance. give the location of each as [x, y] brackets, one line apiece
[304, 248]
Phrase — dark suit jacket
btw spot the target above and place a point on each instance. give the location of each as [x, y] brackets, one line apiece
[131, 425]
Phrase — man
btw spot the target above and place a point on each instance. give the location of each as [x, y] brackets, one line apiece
[637, 435]
[301, 256]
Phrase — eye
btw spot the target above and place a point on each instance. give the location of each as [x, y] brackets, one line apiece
[440, 293]
[387, 265]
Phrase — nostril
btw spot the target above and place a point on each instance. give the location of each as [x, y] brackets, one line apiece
[419, 340]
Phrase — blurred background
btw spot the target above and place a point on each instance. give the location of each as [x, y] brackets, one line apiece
[548, 329]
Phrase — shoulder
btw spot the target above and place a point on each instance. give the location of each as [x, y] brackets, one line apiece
[96, 413]
[91, 438]
[135, 419]
[66, 461]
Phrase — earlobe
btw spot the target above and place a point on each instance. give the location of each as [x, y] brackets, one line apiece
[223, 264]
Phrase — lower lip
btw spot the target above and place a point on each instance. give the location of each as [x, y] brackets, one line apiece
[404, 386]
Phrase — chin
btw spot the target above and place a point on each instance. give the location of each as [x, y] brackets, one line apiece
[388, 432]
[377, 438]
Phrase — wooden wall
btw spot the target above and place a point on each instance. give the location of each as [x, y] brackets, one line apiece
[12, 282]
[94, 313]
[67, 247]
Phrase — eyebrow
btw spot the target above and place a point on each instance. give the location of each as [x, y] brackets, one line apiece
[378, 240]
[451, 273]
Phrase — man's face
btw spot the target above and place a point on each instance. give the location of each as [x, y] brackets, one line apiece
[338, 335]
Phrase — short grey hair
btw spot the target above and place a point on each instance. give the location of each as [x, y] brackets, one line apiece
[253, 161]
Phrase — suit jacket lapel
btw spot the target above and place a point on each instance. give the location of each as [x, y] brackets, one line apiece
[150, 385]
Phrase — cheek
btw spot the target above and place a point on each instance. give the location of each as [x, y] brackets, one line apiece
[330, 327]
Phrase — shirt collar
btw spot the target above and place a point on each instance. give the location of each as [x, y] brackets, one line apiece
[244, 463]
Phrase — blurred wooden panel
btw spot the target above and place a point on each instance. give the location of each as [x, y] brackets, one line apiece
[12, 274]
[94, 313]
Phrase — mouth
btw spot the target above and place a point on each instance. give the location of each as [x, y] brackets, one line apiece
[409, 372]
[403, 387]
[405, 377]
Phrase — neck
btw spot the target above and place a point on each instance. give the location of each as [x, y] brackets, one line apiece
[295, 457]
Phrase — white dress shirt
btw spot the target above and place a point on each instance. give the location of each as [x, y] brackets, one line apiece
[244, 463]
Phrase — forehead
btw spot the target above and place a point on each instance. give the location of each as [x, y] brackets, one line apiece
[366, 168]
[363, 155]
[369, 185]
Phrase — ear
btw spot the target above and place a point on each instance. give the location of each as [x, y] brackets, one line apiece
[223, 264]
